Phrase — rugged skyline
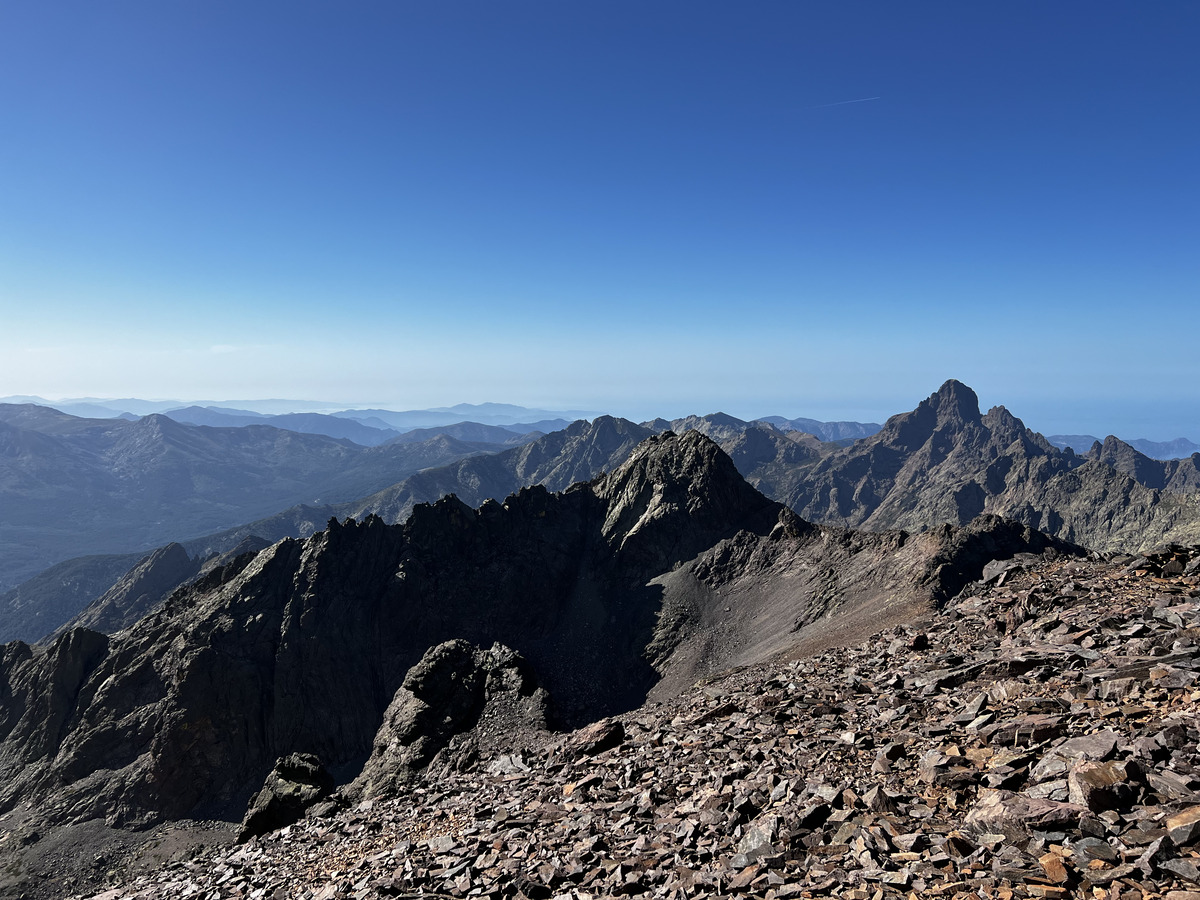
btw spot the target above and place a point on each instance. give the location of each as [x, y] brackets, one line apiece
[366, 423]
[796, 209]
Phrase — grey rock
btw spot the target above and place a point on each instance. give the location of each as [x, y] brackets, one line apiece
[1097, 746]
[445, 694]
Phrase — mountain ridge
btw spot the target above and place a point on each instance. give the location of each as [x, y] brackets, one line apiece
[72, 486]
[944, 461]
[607, 589]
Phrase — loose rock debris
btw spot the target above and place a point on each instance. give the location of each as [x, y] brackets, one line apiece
[1036, 738]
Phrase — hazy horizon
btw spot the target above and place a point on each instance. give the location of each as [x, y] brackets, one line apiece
[274, 406]
[645, 209]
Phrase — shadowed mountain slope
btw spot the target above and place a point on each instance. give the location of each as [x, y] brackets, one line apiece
[38, 606]
[153, 579]
[606, 589]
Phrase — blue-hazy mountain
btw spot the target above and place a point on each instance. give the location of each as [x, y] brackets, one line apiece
[483, 413]
[302, 423]
[72, 486]
[1180, 448]
[826, 431]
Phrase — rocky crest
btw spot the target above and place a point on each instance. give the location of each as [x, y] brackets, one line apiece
[455, 691]
[668, 569]
[139, 590]
[945, 462]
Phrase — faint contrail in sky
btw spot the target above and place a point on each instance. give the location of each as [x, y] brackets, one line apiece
[843, 102]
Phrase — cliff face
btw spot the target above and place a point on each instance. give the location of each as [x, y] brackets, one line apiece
[668, 568]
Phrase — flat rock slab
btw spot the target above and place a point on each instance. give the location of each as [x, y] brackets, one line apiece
[1016, 816]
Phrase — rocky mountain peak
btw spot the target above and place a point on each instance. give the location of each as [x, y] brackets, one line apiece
[948, 411]
[1005, 429]
[678, 493]
[138, 591]
[954, 402]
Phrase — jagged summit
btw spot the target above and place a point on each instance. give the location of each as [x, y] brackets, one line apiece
[955, 402]
[951, 409]
[678, 494]
[944, 462]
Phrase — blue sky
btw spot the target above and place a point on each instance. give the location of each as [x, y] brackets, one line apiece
[643, 208]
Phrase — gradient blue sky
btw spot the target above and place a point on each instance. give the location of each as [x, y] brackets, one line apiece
[644, 208]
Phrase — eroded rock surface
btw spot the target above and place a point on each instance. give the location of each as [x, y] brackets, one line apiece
[294, 785]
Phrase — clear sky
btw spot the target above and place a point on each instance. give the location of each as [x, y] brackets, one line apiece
[650, 208]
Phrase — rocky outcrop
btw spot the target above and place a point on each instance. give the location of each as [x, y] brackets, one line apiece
[295, 784]
[454, 688]
[668, 569]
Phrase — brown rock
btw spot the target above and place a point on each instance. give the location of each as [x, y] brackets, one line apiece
[1184, 827]
[1095, 785]
[595, 738]
[1015, 816]
[1052, 865]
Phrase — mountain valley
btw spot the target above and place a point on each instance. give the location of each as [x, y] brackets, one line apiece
[74, 487]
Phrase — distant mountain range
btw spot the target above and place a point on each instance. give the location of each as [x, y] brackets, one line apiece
[315, 417]
[1176, 449]
[245, 412]
[369, 431]
[71, 486]
[942, 462]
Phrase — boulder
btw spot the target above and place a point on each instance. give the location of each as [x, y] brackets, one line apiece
[446, 694]
[297, 782]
